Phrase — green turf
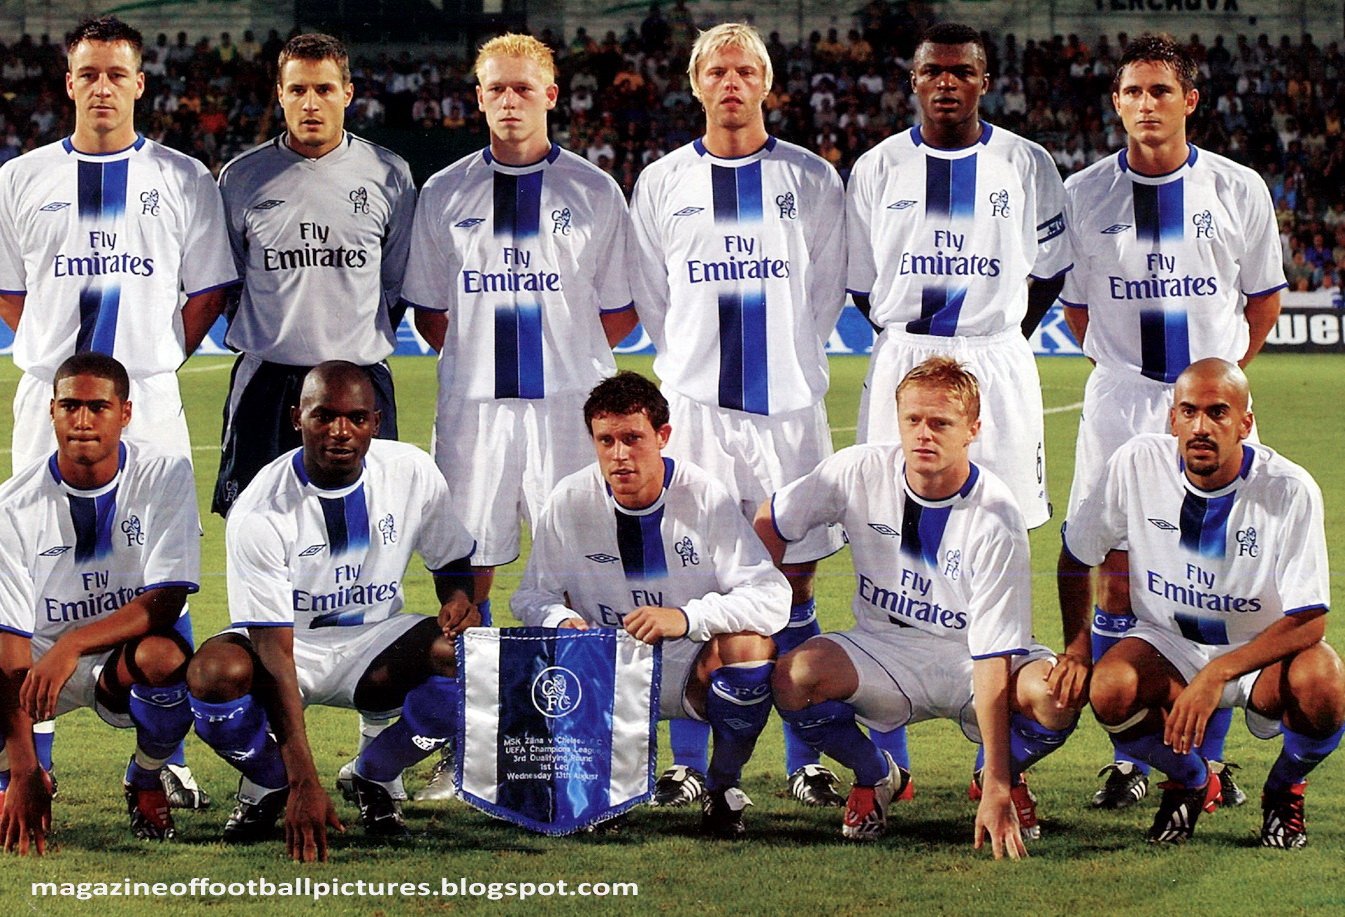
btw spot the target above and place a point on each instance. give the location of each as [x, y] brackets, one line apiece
[794, 861]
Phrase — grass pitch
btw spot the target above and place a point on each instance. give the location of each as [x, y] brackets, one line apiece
[795, 861]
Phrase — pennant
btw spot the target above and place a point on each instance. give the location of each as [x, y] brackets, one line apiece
[556, 727]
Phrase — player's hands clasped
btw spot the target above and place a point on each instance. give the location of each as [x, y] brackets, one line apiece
[458, 614]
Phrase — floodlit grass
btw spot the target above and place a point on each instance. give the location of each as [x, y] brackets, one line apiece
[794, 861]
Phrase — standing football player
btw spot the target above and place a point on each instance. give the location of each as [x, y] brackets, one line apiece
[110, 243]
[1177, 258]
[517, 275]
[740, 246]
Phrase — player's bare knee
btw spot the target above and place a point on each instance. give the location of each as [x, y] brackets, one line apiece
[444, 657]
[1032, 698]
[1114, 691]
[1316, 682]
[220, 671]
[730, 649]
[157, 661]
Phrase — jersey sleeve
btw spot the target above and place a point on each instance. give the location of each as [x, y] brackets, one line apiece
[818, 498]
[861, 270]
[612, 277]
[427, 283]
[649, 270]
[397, 238]
[539, 600]
[173, 549]
[442, 536]
[1000, 608]
[13, 277]
[1301, 568]
[1261, 267]
[1075, 291]
[1053, 249]
[207, 259]
[754, 596]
[261, 593]
[17, 593]
[827, 252]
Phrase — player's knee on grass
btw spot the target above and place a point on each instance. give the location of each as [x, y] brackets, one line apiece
[221, 670]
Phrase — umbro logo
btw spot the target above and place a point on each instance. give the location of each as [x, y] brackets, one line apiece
[884, 529]
[602, 558]
[54, 206]
[427, 743]
[470, 222]
[313, 549]
[1162, 524]
[268, 205]
[901, 205]
[688, 211]
[56, 551]
[1114, 228]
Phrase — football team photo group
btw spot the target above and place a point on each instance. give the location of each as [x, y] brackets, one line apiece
[680, 514]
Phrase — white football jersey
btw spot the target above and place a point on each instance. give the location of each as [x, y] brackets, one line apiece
[104, 247]
[957, 568]
[321, 245]
[740, 273]
[524, 260]
[1217, 566]
[1162, 263]
[70, 557]
[691, 549]
[943, 241]
[299, 555]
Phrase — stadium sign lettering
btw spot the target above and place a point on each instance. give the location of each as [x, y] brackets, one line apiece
[1316, 328]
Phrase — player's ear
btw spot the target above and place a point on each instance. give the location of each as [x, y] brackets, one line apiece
[70, 84]
[139, 83]
[1192, 98]
[378, 422]
[294, 416]
[662, 433]
[552, 93]
[125, 414]
[1245, 425]
[974, 428]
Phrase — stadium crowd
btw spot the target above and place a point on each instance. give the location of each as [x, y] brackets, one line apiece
[624, 102]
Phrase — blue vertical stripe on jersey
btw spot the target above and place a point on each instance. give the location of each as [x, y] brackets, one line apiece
[1160, 211]
[519, 367]
[940, 309]
[640, 542]
[347, 520]
[1204, 524]
[922, 530]
[1210, 631]
[743, 360]
[101, 194]
[1165, 347]
[950, 187]
[92, 518]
